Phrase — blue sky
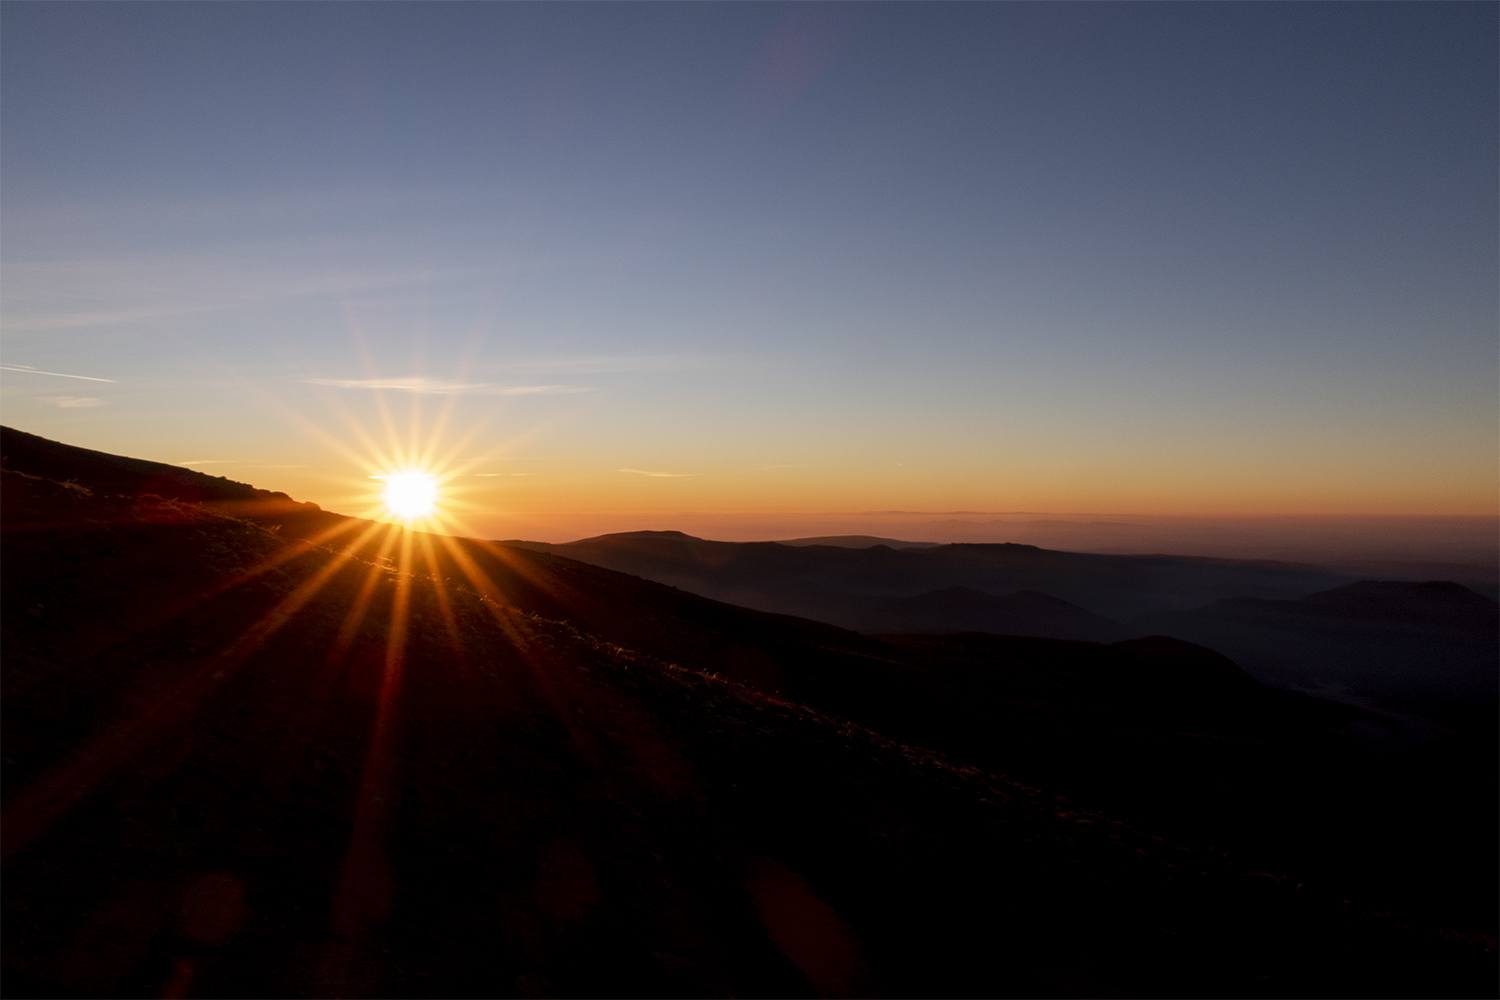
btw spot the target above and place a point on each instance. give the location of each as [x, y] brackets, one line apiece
[1167, 257]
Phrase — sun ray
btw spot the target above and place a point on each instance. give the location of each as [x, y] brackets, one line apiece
[449, 461]
[440, 592]
[492, 597]
[414, 428]
[427, 456]
[354, 617]
[545, 583]
[426, 452]
[366, 881]
[533, 655]
[382, 407]
[58, 790]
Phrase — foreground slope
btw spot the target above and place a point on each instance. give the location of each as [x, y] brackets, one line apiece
[246, 756]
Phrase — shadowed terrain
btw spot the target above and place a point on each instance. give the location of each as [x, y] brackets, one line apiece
[962, 609]
[1425, 648]
[254, 748]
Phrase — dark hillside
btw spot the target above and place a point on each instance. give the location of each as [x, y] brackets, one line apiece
[117, 474]
[249, 760]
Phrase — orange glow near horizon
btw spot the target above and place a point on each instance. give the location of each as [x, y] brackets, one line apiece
[420, 453]
[541, 480]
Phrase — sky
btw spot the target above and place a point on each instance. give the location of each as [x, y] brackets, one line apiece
[759, 265]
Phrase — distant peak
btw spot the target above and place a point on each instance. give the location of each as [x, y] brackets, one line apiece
[678, 536]
[1381, 591]
[855, 542]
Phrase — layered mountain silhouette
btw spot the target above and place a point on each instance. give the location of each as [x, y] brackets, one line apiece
[1424, 649]
[851, 586]
[252, 747]
[857, 542]
[1427, 647]
[1025, 612]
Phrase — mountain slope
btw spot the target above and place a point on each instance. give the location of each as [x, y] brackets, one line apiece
[244, 759]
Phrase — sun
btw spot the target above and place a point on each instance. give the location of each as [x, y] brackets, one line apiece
[411, 494]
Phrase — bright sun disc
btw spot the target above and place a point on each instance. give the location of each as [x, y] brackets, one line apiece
[410, 495]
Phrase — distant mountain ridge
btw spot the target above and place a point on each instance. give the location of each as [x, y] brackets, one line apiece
[857, 542]
[853, 586]
[1398, 643]
[1432, 602]
[1024, 612]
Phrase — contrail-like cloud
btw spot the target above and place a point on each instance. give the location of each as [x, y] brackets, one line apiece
[443, 387]
[659, 475]
[28, 370]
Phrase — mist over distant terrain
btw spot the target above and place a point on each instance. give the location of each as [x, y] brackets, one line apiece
[1454, 548]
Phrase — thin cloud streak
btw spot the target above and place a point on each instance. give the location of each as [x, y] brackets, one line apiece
[42, 296]
[77, 402]
[87, 320]
[28, 370]
[420, 384]
[659, 475]
[615, 363]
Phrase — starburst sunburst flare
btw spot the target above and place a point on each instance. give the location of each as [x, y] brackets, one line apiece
[410, 494]
[774, 499]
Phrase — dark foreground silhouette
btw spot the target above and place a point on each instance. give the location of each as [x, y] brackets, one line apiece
[253, 748]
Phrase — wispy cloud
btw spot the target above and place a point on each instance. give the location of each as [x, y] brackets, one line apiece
[77, 402]
[443, 387]
[54, 296]
[86, 319]
[613, 363]
[498, 475]
[783, 465]
[28, 370]
[659, 475]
